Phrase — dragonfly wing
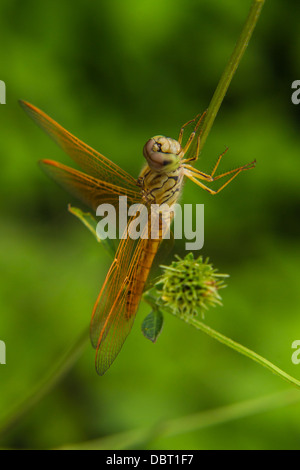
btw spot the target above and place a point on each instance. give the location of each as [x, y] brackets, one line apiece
[87, 158]
[119, 298]
[118, 301]
[111, 322]
[91, 191]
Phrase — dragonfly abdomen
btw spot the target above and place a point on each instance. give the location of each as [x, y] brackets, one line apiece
[140, 277]
[158, 189]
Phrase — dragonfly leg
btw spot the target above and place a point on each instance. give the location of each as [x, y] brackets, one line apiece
[189, 141]
[190, 170]
[195, 157]
[184, 126]
[191, 138]
[194, 131]
[218, 161]
[195, 176]
[212, 176]
[248, 166]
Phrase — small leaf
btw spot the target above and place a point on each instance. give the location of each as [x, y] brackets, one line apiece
[152, 325]
[91, 223]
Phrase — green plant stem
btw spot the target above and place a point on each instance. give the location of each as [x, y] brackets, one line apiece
[46, 385]
[191, 320]
[230, 69]
[242, 350]
[141, 437]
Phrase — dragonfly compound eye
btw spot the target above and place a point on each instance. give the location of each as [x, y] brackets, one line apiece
[162, 153]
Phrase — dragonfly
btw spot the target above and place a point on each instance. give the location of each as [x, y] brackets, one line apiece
[168, 162]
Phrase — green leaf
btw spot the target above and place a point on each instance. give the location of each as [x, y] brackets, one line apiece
[152, 325]
[91, 223]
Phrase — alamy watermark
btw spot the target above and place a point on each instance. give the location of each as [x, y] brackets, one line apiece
[2, 352]
[296, 354]
[133, 222]
[296, 94]
[2, 92]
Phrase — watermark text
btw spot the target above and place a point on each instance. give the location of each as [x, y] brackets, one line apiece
[2, 352]
[2, 92]
[296, 94]
[136, 222]
[296, 354]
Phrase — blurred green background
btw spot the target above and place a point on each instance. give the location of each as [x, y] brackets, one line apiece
[114, 74]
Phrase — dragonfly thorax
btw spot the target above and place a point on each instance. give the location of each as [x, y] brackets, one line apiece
[163, 154]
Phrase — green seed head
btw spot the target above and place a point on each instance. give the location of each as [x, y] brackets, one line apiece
[189, 286]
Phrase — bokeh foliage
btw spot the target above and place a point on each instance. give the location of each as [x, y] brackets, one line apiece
[115, 73]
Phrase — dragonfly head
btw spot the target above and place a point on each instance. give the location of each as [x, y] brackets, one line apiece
[163, 154]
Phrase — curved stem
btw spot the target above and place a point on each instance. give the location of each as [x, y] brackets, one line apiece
[242, 350]
[141, 437]
[46, 385]
[150, 298]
